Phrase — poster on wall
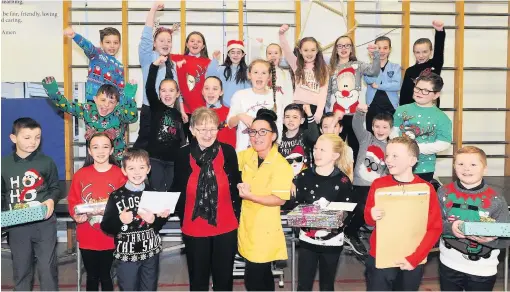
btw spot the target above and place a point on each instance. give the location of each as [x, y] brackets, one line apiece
[32, 40]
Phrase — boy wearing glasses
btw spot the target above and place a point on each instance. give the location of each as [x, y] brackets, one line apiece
[369, 166]
[423, 122]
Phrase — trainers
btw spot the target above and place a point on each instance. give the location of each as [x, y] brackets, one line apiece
[356, 245]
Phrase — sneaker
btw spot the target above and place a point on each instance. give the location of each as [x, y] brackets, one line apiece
[356, 245]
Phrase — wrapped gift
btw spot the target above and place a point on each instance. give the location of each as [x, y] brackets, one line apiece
[90, 208]
[485, 229]
[24, 214]
[315, 217]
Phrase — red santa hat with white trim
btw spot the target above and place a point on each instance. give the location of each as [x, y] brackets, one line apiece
[377, 154]
[33, 173]
[235, 44]
[347, 70]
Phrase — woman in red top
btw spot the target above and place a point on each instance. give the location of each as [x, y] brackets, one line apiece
[207, 174]
[94, 182]
[213, 95]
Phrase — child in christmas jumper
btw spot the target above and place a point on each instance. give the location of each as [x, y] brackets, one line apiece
[369, 166]
[247, 102]
[213, 96]
[93, 183]
[151, 47]
[345, 83]
[382, 90]
[470, 262]
[422, 50]
[167, 133]
[104, 68]
[296, 144]
[401, 156]
[136, 231]
[329, 180]
[234, 71]
[310, 71]
[30, 177]
[425, 123]
[104, 114]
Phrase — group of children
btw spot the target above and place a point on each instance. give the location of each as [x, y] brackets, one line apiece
[310, 98]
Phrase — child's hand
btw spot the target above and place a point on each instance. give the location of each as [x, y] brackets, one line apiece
[260, 40]
[164, 214]
[126, 217]
[374, 85]
[377, 213]
[216, 55]
[293, 190]
[80, 218]
[438, 25]
[362, 108]
[404, 265]
[307, 109]
[481, 239]
[97, 212]
[50, 204]
[146, 216]
[339, 115]
[246, 119]
[185, 118]
[158, 5]
[48, 80]
[160, 61]
[69, 32]
[180, 63]
[372, 48]
[456, 230]
[284, 28]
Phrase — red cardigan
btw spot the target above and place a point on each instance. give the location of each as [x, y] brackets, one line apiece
[434, 224]
[225, 135]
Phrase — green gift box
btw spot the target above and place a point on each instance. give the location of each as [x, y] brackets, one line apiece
[485, 229]
[22, 216]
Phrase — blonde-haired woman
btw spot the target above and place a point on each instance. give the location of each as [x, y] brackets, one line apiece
[328, 181]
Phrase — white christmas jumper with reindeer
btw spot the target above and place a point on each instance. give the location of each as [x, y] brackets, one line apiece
[426, 125]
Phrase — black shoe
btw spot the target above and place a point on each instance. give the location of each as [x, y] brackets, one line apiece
[356, 245]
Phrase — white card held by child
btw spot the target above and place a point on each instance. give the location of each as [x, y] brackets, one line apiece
[158, 202]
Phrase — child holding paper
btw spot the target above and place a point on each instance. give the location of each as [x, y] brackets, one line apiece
[94, 182]
[401, 155]
[328, 181]
[470, 262]
[137, 241]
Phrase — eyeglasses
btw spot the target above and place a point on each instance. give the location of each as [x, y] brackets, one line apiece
[347, 46]
[204, 131]
[297, 160]
[261, 132]
[374, 166]
[423, 91]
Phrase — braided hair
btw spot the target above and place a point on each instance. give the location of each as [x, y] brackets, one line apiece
[272, 69]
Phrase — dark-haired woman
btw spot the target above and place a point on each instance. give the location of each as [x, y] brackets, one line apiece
[267, 179]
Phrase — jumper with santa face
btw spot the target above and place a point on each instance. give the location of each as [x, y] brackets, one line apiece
[345, 84]
[370, 162]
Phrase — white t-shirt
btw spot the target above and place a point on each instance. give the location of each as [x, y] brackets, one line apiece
[248, 102]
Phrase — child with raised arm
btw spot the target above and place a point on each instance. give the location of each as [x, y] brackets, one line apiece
[103, 114]
[470, 263]
[422, 50]
[104, 68]
[401, 156]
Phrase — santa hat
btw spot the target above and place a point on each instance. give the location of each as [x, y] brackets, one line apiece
[298, 150]
[33, 173]
[347, 70]
[377, 153]
[233, 44]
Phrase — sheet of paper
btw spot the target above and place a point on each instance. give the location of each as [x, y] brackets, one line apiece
[406, 213]
[341, 206]
[157, 202]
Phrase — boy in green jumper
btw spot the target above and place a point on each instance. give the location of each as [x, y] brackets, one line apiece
[27, 176]
[423, 122]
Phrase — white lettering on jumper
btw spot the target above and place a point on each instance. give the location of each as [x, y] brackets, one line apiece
[310, 83]
[132, 202]
[125, 247]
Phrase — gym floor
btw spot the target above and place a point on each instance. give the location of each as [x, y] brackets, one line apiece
[174, 277]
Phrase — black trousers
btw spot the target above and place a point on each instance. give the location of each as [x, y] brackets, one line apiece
[211, 255]
[144, 129]
[98, 265]
[427, 176]
[307, 267]
[138, 276]
[258, 276]
[356, 219]
[348, 135]
[392, 279]
[162, 174]
[453, 280]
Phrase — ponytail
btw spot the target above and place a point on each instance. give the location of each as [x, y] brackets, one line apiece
[344, 161]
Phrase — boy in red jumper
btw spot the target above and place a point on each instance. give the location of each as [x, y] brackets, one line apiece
[401, 155]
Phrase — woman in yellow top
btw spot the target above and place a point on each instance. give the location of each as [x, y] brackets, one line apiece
[267, 179]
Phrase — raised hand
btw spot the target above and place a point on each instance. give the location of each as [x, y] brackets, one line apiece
[284, 28]
[372, 48]
[216, 55]
[438, 25]
[69, 32]
[260, 40]
[159, 5]
[362, 108]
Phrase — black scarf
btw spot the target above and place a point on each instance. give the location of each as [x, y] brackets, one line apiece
[206, 201]
[169, 74]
